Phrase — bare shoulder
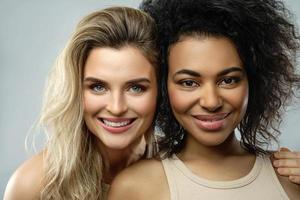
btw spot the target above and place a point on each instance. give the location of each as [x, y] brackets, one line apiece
[140, 181]
[26, 182]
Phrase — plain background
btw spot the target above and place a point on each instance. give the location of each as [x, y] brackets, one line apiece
[32, 33]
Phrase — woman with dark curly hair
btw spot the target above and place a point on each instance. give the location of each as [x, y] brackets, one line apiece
[227, 64]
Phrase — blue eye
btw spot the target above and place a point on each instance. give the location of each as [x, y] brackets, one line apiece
[97, 88]
[136, 89]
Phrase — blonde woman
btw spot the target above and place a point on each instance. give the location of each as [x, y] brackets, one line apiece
[98, 109]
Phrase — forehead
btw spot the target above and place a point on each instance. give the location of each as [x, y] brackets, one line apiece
[115, 63]
[204, 52]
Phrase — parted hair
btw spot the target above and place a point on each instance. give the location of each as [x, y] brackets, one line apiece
[73, 164]
[267, 42]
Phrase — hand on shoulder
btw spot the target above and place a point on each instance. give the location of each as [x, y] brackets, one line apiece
[26, 182]
[287, 163]
[287, 166]
[140, 181]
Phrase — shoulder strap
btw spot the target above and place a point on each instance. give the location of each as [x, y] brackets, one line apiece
[171, 177]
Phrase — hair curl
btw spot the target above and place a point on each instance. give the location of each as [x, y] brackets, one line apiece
[267, 42]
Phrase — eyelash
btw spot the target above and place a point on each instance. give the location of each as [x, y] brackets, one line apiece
[141, 88]
[234, 80]
[95, 85]
[193, 83]
[184, 82]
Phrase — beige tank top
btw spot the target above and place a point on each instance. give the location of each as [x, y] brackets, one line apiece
[260, 183]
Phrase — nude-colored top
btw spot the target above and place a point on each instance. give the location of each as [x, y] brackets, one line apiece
[260, 183]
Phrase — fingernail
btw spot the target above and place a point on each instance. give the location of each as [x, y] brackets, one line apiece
[279, 170]
[284, 149]
[276, 163]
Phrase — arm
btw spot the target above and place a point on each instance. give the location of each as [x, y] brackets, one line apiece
[287, 163]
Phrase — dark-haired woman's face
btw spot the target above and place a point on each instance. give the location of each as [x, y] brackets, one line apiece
[208, 88]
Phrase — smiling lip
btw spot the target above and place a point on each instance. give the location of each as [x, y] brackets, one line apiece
[211, 122]
[116, 125]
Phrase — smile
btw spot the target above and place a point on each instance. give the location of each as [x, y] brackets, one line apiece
[211, 118]
[211, 122]
[116, 125]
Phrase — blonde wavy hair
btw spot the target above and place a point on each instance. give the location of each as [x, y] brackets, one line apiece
[73, 163]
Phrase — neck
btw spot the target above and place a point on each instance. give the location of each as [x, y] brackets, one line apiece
[115, 160]
[217, 162]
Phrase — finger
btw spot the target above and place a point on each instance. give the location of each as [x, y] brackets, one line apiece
[281, 150]
[284, 149]
[288, 171]
[293, 163]
[295, 179]
[287, 154]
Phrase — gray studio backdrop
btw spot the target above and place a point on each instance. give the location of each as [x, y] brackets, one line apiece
[32, 33]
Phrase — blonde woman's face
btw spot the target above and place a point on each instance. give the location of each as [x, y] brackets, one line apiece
[120, 93]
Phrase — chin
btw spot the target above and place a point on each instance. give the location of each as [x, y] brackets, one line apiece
[211, 142]
[212, 139]
[117, 145]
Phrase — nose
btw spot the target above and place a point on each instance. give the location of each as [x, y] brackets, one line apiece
[210, 98]
[117, 104]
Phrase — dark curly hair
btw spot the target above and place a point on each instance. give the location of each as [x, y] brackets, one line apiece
[267, 42]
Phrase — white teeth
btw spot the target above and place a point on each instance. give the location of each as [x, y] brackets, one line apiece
[116, 124]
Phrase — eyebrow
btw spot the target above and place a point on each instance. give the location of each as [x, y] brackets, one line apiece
[137, 80]
[197, 74]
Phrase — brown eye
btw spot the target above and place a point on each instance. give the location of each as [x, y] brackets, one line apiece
[229, 81]
[189, 83]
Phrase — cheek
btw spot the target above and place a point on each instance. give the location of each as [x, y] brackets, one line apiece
[178, 99]
[239, 99]
[92, 103]
[145, 105]
[244, 100]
